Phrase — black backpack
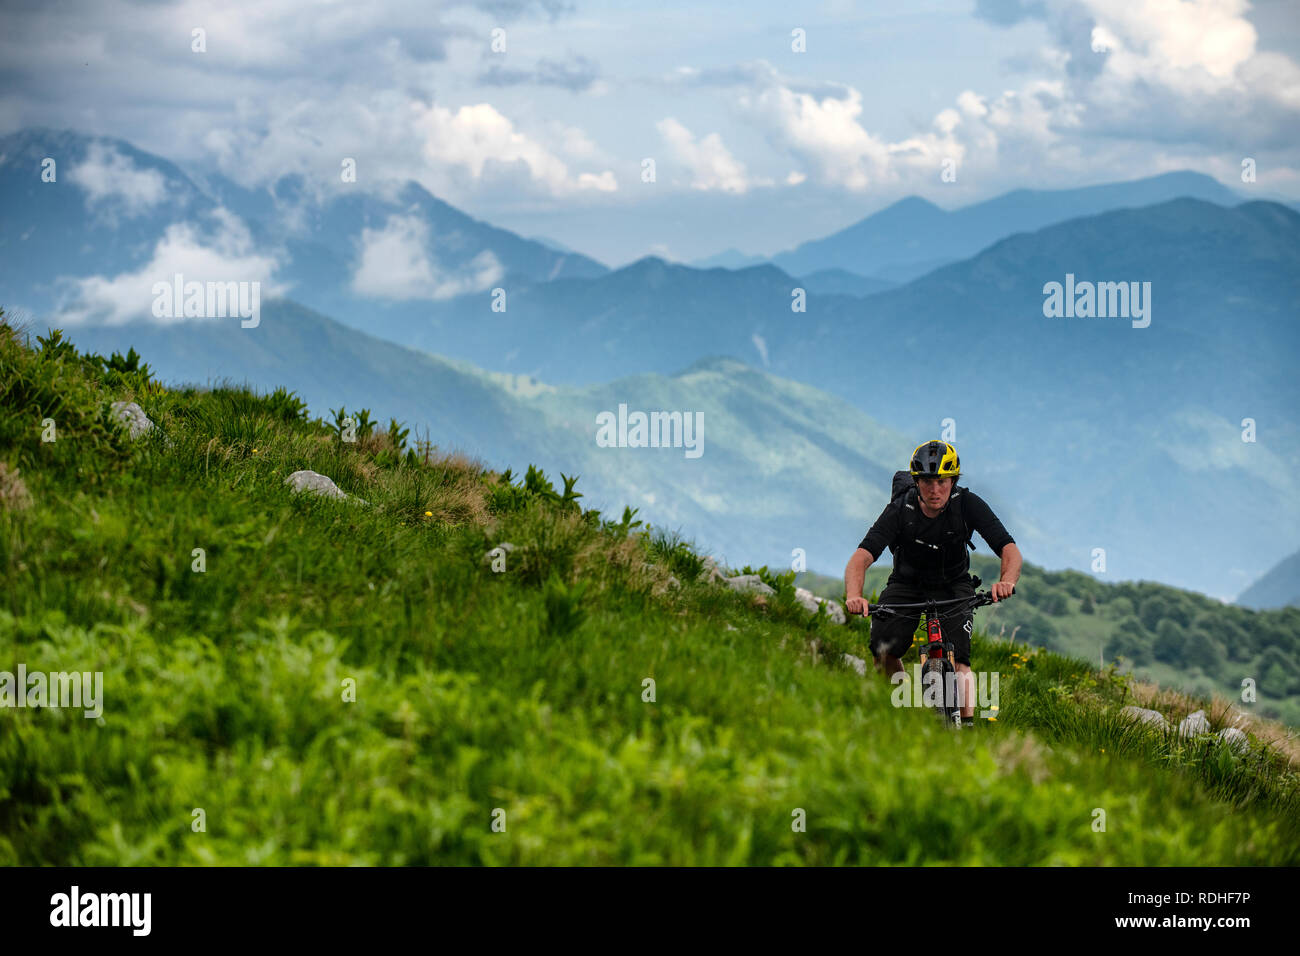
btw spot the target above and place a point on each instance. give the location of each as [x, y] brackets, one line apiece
[904, 487]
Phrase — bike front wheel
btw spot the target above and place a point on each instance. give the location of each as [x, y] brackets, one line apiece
[939, 690]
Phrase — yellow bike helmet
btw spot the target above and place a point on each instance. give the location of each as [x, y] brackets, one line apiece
[935, 459]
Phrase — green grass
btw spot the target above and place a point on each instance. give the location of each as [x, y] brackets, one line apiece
[228, 690]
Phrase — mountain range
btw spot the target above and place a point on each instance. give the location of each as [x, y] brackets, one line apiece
[1089, 433]
[914, 236]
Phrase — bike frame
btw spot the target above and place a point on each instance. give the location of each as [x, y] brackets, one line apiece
[936, 648]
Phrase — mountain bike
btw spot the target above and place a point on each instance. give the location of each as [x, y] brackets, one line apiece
[937, 656]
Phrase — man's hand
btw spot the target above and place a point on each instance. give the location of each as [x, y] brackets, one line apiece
[856, 605]
[1001, 589]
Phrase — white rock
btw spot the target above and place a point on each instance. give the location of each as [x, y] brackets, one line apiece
[315, 483]
[835, 611]
[710, 573]
[749, 582]
[318, 484]
[1235, 739]
[807, 599]
[1193, 724]
[811, 602]
[1143, 715]
[133, 416]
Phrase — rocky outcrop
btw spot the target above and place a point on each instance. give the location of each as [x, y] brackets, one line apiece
[319, 484]
[1235, 739]
[748, 582]
[710, 574]
[133, 417]
[812, 601]
[1152, 718]
[1193, 724]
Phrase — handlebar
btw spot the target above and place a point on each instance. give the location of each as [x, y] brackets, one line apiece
[978, 599]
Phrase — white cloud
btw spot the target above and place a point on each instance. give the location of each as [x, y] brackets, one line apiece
[1119, 77]
[472, 136]
[1012, 134]
[710, 163]
[574, 141]
[221, 253]
[293, 87]
[107, 176]
[395, 264]
[1172, 36]
[1172, 71]
[826, 136]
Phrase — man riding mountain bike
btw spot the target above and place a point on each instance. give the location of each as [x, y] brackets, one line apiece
[928, 526]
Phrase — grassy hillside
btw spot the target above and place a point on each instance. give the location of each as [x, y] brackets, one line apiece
[1178, 639]
[352, 681]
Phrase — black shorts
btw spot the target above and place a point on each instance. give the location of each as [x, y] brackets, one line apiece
[892, 633]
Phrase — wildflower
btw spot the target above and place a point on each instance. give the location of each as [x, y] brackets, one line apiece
[428, 514]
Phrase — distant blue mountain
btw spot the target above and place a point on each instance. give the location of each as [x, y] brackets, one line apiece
[841, 282]
[553, 244]
[52, 229]
[1279, 587]
[48, 230]
[729, 259]
[913, 235]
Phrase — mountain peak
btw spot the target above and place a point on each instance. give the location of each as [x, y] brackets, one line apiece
[724, 364]
[649, 266]
[912, 204]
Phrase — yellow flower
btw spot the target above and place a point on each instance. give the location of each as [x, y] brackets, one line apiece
[254, 451]
[428, 514]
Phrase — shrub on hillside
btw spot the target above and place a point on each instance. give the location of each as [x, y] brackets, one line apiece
[52, 392]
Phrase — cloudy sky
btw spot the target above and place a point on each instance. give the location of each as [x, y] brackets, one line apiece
[756, 144]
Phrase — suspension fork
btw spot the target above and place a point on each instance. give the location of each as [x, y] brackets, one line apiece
[935, 645]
